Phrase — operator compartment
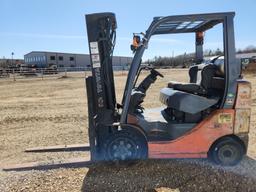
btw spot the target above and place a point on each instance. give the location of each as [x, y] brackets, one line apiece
[191, 102]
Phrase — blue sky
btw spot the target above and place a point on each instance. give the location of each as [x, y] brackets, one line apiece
[59, 25]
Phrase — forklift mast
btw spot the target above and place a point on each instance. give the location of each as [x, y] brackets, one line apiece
[101, 30]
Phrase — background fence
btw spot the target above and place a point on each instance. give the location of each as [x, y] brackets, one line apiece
[44, 73]
[25, 73]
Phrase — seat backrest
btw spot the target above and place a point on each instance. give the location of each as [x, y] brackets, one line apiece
[193, 73]
[208, 76]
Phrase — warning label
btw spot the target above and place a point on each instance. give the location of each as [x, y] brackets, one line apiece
[225, 118]
[95, 61]
[95, 54]
[94, 47]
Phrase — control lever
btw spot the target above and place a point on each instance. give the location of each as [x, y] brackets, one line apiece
[150, 79]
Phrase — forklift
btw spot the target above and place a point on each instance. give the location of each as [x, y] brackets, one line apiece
[208, 117]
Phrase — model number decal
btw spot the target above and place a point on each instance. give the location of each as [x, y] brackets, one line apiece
[98, 80]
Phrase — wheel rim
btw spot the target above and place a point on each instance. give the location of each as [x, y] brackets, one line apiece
[228, 154]
[122, 149]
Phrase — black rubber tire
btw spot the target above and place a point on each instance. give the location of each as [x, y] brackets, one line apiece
[227, 152]
[125, 145]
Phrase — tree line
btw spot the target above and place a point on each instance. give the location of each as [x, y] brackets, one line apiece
[186, 59]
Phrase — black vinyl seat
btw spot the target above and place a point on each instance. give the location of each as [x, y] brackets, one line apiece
[204, 81]
[186, 102]
[204, 90]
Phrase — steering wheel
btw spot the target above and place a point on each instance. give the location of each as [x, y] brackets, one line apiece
[156, 73]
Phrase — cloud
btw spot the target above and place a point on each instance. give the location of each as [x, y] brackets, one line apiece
[84, 37]
[244, 44]
[124, 38]
[239, 44]
[167, 40]
[155, 40]
[47, 36]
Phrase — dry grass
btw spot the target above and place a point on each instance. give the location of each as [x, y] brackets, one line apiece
[52, 112]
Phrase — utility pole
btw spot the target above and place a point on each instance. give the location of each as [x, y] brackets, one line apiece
[172, 59]
[12, 58]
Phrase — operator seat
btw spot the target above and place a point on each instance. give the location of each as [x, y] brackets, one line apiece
[204, 90]
[205, 80]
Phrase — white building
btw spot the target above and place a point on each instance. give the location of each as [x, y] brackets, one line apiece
[70, 60]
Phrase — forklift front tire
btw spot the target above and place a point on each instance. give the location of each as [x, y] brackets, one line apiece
[125, 145]
[227, 152]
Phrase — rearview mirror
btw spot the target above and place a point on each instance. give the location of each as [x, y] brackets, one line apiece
[135, 42]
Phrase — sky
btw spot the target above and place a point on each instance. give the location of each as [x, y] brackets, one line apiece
[59, 25]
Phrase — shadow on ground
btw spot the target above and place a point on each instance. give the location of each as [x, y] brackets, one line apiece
[186, 175]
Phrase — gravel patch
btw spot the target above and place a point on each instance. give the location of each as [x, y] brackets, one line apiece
[49, 112]
[170, 175]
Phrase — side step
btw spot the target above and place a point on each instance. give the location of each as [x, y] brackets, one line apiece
[70, 163]
[59, 148]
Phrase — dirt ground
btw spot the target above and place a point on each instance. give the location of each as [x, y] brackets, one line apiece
[53, 111]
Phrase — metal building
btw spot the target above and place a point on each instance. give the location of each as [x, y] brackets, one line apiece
[70, 60]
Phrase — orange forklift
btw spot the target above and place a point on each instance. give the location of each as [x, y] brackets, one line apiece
[208, 117]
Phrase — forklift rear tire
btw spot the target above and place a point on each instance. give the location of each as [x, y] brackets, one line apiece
[227, 152]
[125, 145]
